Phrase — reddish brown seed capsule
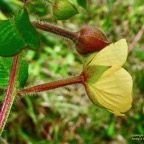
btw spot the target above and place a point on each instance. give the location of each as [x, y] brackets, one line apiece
[90, 39]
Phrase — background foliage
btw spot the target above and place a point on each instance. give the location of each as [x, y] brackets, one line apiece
[66, 115]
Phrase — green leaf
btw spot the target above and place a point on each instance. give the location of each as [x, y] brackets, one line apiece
[82, 3]
[10, 42]
[26, 29]
[4, 74]
[10, 6]
[17, 33]
[23, 73]
[111, 130]
[5, 69]
[63, 9]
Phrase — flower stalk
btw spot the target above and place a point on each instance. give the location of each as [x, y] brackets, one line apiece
[56, 30]
[53, 85]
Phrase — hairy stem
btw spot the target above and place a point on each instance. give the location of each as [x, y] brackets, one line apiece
[56, 30]
[52, 85]
[10, 94]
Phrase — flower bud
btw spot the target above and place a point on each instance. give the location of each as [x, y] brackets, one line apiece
[63, 9]
[90, 39]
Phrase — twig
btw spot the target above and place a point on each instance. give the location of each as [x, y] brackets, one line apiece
[136, 39]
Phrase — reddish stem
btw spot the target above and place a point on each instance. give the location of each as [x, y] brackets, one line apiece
[26, 1]
[6, 105]
[56, 30]
[53, 85]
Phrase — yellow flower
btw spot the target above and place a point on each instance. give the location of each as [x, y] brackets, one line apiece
[108, 85]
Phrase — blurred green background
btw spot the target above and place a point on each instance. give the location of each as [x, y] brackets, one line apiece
[66, 115]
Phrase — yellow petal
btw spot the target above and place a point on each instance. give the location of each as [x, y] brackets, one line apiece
[113, 55]
[113, 92]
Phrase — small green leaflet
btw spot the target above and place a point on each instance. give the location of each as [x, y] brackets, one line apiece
[82, 3]
[17, 33]
[5, 68]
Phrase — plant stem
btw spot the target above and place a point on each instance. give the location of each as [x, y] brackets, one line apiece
[10, 94]
[56, 30]
[52, 85]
